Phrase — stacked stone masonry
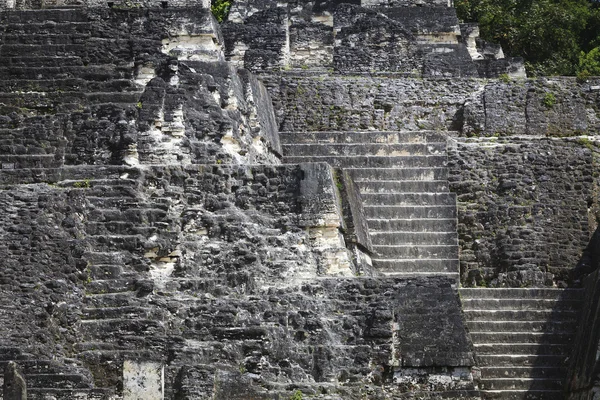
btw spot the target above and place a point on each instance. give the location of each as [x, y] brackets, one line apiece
[299, 232]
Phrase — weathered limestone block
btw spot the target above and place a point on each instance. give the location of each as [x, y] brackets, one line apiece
[582, 377]
[205, 113]
[367, 41]
[431, 25]
[305, 103]
[143, 380]
[405, 3]
[14, 386]
[261, 43]
[545, 106]
[447, 60]
[323, 217]
[523, 208]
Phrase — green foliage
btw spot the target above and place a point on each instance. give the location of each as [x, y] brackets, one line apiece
[549, 34]
[587, 143]
[504, 78]
[296, 396]
[85, 184]
[583, 76]
[590, 62]
[549, 100]
[220, 9]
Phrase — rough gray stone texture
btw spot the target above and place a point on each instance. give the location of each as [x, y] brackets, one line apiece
[368, 41]
[263, 35]
[357, 230]
[210, 270]
[582, 382]
[425, 20]
[404, 3]
[315, 102]
[545, 106]
[14, 386]
[113, 95]
[122, 4]
[525, 208]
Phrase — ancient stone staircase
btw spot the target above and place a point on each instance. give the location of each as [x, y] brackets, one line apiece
[60, 70]
[403, 182]
[522, 339]
[47, 377]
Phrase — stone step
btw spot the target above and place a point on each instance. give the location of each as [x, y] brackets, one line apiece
[11, 161]
[521, 384]
[107, 299]
[406, 212]
[46, 50]
[520, 326]
[416, 252]
[409, 199]
[412, 225]
[362, 149]
[28, 367]
[70, 15]
[102, 272]
[523, 337]
[398, 174]
[414, 238]
[107, 257]
[372, 161]
[520, 304]
[109, 328]
[521, 348]
[521, 315]
[514, 360]
[523, 372]
[70, 394]
[47, 38]
[41, 61]
[425, 266]
[402, 186]
[86, 73]
[57, 381]
[416, 275]
[114, 228]
[522, 395]
[132, 312]
[111, 286]
[69, 85]
[363, 137]
[49, 28]
[521, 293]
[114, 97]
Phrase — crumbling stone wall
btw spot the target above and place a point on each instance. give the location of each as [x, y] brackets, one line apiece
[225, 278]
[314, 102]
[524, 208]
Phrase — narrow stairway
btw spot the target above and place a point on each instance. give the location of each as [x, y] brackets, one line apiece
[403, 181]
[522, 339]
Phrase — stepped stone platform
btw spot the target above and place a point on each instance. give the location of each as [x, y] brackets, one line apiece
[522, 339]
[402, 177]
[323, 229]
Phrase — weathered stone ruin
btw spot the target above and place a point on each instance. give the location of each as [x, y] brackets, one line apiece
[312, 200]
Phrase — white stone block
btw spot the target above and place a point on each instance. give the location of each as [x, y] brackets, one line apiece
[143, 380]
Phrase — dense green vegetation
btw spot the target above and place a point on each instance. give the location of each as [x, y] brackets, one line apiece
[555, 37]
[220, 9]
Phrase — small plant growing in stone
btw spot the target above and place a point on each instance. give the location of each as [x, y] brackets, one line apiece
[296, 396]
[583, 76]
[586, 142]
[504, 78]
[549, 100]
[85, 184]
